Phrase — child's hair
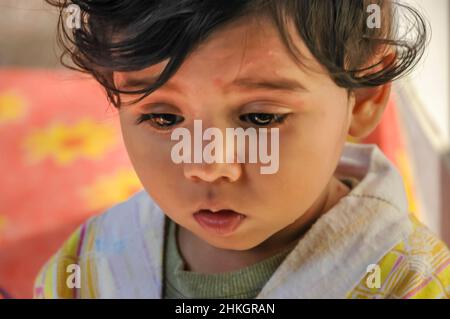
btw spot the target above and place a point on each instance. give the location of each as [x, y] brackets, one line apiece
[130, 35]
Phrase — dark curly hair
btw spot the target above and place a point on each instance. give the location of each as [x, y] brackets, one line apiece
[130, 35]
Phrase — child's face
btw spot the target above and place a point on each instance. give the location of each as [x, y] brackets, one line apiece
[311, 138]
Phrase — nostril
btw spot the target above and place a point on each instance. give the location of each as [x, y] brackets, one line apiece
[212, 172]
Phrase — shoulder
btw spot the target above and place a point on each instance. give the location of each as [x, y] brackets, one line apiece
[417, 267]
[51, 282]
[99, 236]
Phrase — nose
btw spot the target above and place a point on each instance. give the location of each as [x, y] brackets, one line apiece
[214, 172]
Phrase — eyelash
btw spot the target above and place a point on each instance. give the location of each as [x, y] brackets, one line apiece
[276, 118]
[155, 116]
[152, 117]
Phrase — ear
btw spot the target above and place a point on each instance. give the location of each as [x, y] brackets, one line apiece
[368, 109]
[369, 103]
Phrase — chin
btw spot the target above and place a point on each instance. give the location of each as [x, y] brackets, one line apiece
[237, 244]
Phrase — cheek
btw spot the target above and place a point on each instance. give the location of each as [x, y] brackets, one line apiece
[325, 130]
[309, 153]
[141, 143]
[150, 157]
[149, 153]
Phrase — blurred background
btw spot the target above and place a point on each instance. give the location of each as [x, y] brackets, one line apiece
[62, 158]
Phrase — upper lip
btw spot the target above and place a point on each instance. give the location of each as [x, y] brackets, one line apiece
[214, 208]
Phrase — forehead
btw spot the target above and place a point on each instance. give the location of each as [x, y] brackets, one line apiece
[249, 47]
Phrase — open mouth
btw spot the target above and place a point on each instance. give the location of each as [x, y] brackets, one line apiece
[222, 222]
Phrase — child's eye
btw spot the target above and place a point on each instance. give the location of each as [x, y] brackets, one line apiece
[263, 119]
[160, 121]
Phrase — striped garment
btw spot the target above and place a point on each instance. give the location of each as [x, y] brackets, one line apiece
[366, 246]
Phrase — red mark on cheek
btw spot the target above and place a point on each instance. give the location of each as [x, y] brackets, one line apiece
[217, 82]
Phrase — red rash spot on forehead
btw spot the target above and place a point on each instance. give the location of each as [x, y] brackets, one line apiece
[217, 82]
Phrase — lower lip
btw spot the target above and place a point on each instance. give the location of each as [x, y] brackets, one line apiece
[223, 222]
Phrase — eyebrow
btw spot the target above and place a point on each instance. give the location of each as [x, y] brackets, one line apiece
[276, 84]
[133, 84]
